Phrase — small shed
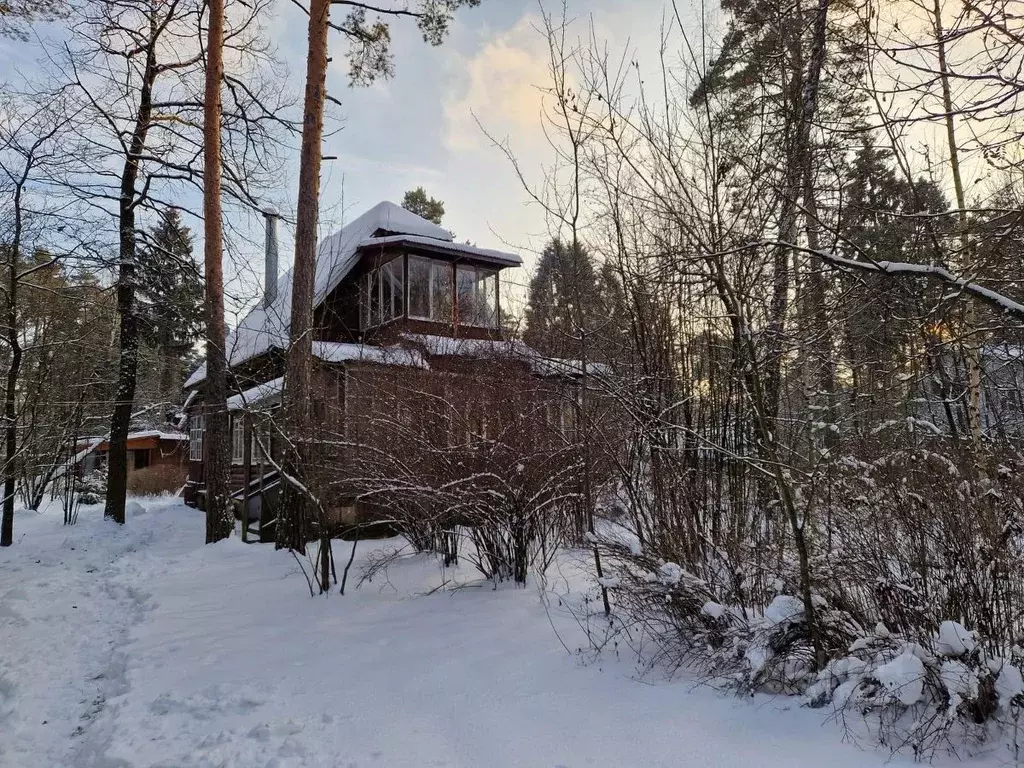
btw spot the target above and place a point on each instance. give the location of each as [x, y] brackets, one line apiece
[157, 460]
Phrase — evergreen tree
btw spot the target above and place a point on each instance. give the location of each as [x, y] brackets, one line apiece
[170, 303]
[417, 201]
[564, 302]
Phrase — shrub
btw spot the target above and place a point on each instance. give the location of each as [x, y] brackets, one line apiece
[160, 478]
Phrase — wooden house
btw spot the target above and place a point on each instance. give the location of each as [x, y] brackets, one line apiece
[410, 361]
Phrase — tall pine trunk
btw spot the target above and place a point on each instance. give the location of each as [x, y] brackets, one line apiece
[294, 527]
[219, 515]
[128, 363]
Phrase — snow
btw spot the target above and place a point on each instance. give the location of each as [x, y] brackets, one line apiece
[446, 346]
[158, 434]
[331, 352]
[256, 395]
[265, 328]
[140, 646]
[670, 574]
[903, 677]
[336, 352]
[959, 679]
[784, 608]
[954, 639]
[995, 298]
[714, 610]
[1009, 683]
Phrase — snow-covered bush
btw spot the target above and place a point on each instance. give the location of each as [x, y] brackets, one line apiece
[93, 487]
[925, 550]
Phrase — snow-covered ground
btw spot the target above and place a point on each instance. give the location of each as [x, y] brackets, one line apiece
[141, 646]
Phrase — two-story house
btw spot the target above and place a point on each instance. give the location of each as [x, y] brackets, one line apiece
[412, 369]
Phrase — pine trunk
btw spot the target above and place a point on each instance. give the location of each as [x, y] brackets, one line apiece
[219, 515]
[294, 519]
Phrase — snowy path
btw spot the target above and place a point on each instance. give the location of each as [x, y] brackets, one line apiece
[142, 647]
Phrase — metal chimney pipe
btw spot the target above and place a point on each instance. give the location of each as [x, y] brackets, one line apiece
[270, 258]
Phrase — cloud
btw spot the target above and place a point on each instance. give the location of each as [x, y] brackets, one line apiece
[501, 85]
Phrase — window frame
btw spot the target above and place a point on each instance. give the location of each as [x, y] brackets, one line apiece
[476, 271]
[387, 308]
[434, 266]
[237, 439]
[196, 436]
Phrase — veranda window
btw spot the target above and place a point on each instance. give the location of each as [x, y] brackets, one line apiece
[430, 290]
[383, 294]
[195, 438]
[477, 294]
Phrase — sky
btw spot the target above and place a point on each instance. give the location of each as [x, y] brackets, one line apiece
[421, 127]
[425, 126]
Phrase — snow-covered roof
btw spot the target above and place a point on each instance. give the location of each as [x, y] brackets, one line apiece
[444, 346]
[158, 434]
[265, 328]
[337, 352]
[256, 394]
[330, 352]
[145, 435]
[459, 249]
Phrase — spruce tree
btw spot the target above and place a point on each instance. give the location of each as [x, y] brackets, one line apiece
[564, 301]
[170, 302]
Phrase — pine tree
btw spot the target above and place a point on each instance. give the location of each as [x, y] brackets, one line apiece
[417, 201]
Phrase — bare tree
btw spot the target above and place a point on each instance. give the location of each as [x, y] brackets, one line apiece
[137, 69]
[34, 139]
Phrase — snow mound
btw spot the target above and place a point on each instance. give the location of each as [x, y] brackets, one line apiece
[903, 677]
[670, 574]
[134, 509]
[954, 639]
[1009, 684]
[784, 608]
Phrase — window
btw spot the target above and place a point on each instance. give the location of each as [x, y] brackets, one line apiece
[392, 287]
[141, 458]
[419, 288]
[195, 438]
[560, 415]
[440, 291]
[383, 294]
[430, 290]
[237, 439]
[477, 293]
[256, 451]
